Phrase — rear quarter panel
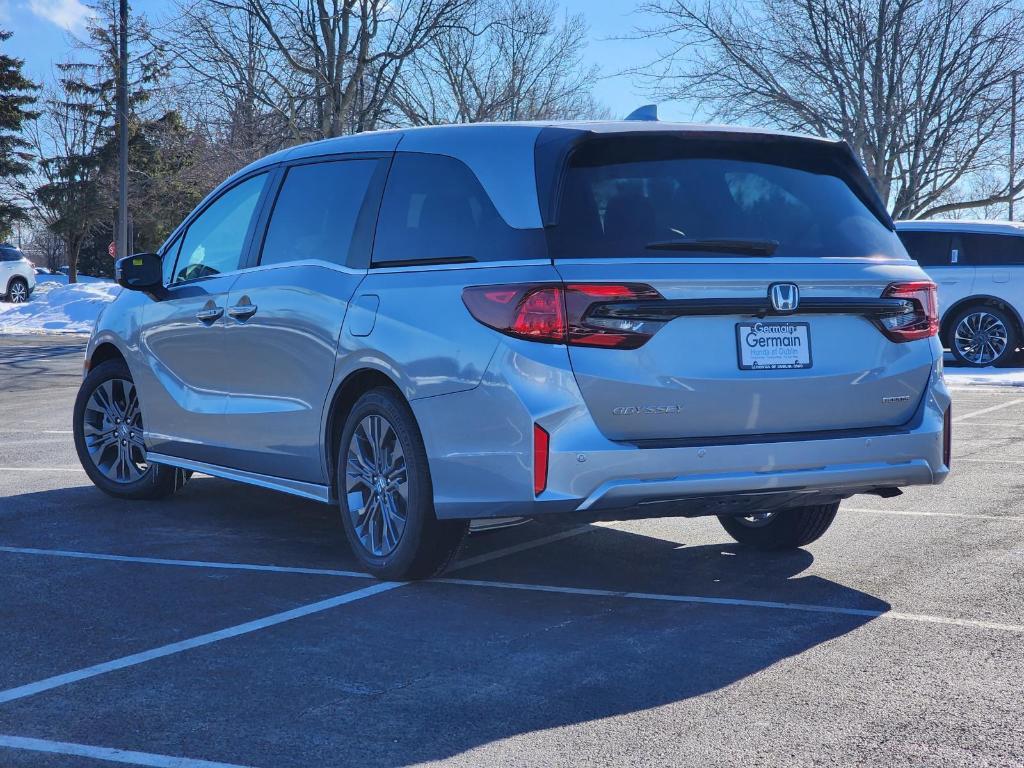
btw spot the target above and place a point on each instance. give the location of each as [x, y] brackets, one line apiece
[422, 335]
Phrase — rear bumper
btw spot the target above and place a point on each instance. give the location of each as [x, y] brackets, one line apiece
[479, 445]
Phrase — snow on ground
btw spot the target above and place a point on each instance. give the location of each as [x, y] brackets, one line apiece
[989, 377]
[56, 307]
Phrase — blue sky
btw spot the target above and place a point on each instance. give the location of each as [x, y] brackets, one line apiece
[41, 37]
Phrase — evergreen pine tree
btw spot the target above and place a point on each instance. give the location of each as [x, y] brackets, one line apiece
[16, 98]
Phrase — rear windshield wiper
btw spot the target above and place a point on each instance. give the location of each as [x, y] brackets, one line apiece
[720, 245]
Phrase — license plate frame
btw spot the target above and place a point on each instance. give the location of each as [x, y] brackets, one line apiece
[773, 329]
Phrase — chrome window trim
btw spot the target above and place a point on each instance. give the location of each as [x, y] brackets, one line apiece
[461, 266]
[306, 263]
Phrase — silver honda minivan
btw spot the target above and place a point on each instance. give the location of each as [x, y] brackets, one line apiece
[600, 320]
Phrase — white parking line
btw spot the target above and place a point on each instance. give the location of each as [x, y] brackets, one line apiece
[990, 461]
[109, 755]
[737, 602]
[134, 659]
[185, 563]
[41, 469]
[458, 566]
[374, 589]
[983, 411]
[968, 516]
[241, 629]
[9, 431]
[1008, 424]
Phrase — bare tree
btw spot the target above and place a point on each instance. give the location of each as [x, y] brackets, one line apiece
[514, 60]
[919, 88]
[235, 83]
[348, 54]
[43, 248]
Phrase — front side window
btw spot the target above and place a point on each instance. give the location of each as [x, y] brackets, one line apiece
[435, 210]
[629, 197]
[214, 241]
[323, 212]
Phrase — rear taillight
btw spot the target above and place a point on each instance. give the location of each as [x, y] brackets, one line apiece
[563, 314]
[540, 460]
[921, 320]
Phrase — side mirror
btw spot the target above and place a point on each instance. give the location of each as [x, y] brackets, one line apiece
[140, 272]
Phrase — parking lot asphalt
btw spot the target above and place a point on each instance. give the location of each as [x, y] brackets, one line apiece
[229, 626]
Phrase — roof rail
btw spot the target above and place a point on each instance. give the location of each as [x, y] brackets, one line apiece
[647, 112]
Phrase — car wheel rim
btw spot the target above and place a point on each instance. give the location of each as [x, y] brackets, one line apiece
[980, 338]
[19, 294]
[377, 485]
[757, 519]
[112, 427]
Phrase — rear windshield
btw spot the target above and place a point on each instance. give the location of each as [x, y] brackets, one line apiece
[667, 196]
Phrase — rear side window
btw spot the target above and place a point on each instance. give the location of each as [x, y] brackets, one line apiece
[627, 197]
[214, 241]
[324, 212]
[929, 249]
[435, 211]
[992, 250]
[10, 254]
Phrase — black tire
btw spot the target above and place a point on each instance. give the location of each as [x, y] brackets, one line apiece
[426, 545]
[155, 482]
[1008, 355]
[785, 529]
[20, 281]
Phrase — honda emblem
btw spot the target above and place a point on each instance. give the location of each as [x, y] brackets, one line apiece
[785, 297]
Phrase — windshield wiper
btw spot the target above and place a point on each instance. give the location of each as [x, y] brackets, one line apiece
[720, 245]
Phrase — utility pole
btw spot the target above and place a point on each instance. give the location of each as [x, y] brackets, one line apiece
[1013, 138]
[122, 133]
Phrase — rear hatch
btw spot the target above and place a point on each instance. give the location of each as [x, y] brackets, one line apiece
[693, 235]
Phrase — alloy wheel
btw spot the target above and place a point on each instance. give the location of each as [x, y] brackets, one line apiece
[377, 485]
[112, 426]
[17, 292]
[980, 338]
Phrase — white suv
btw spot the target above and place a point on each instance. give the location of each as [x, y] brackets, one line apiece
[17, 277]
[979, 269]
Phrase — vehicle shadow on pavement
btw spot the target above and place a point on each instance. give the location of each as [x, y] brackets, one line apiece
[432, 670]
[21, 366]
[28, 360]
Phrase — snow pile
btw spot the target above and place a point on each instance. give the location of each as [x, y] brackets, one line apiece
[63, 279]
[989, 377]
[56, 307]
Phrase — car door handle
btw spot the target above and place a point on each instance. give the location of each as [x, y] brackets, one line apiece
[209, 314]
[242, 311]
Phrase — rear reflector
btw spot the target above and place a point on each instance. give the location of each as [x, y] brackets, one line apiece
[947, 437]
[921, 321]
[540, 460]
[562, 314]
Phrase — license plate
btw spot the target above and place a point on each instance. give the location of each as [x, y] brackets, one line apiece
[771, 346]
